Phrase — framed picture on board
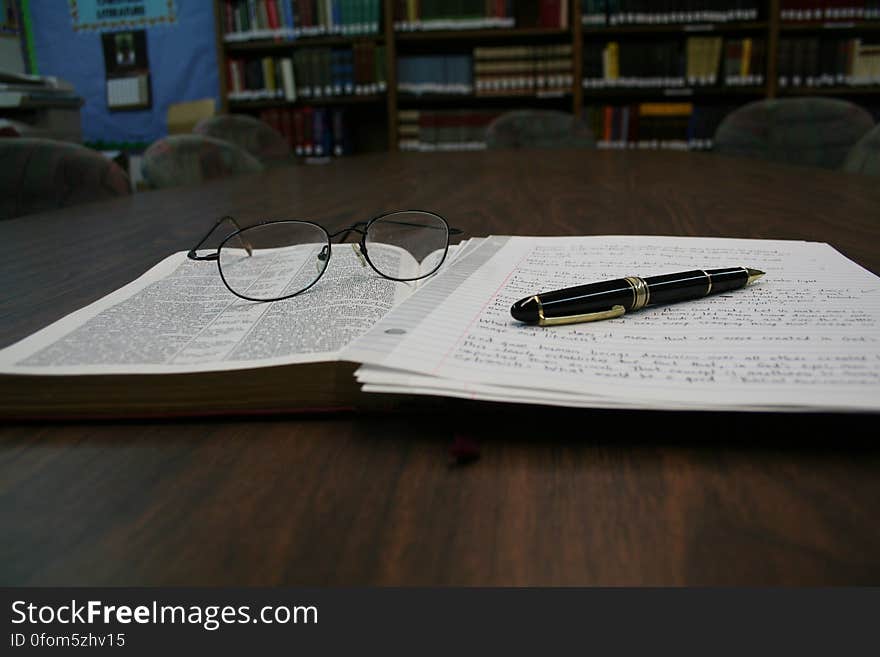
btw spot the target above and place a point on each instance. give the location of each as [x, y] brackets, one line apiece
[127, 68]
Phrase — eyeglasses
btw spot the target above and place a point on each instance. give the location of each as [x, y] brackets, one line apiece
[277, 260]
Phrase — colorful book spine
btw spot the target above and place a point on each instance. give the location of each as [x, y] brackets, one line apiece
[312, 131]
[653, 126]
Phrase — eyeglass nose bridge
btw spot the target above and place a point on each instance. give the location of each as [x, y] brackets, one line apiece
[354, 228]
[360, 248]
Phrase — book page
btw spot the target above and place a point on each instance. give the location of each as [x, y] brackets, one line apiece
[805, 335]
[180, 317]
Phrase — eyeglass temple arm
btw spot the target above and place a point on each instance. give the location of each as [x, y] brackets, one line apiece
[192, 255]
[452, 231]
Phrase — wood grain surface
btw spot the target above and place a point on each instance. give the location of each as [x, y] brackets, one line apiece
[557, 497]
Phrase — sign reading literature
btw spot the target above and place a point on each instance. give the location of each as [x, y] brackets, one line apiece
[121, 14]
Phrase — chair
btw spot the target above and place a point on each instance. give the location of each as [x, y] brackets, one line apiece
[256, 137]
[806, 131]
[42, 174]
[539, 129]
[193, 159]
[865, 155]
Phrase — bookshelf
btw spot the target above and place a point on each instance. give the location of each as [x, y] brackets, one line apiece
[625, 65]
[663, 75]
[311, 71]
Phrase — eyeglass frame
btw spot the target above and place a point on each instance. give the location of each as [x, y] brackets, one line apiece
[345, 232]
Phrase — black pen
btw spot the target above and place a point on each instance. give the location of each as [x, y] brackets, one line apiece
[610, 299]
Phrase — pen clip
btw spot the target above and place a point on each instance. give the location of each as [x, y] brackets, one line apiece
[614, 311]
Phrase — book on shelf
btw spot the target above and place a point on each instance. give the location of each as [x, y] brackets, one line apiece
[670, 63]
[695, 62]
[312, 73]
[828, 62]
[413, 15]
[260, 78]
[328, 72]
[541, 14]
[655, 126]
[829, 10]
[428, 15]
[340, 134]
[176, 342]
[288, 80]
[435, 74]
[312, 131]
[703, 59]
[744, 62]
[601, 13]
[443, 130]
[522, 70]
[256, 19]
[284, 20]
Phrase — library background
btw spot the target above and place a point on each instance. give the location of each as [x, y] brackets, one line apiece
[145, 82]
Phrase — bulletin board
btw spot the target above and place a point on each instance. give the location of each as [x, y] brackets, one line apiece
[181, 57]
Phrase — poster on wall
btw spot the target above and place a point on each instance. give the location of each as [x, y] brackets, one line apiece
[101, 15]
[127, 69]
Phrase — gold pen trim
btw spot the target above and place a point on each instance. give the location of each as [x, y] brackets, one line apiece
[709, 276]
[641, 292]
[613, 312]
[541, 318]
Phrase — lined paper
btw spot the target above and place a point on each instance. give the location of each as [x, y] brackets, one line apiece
[804, 336]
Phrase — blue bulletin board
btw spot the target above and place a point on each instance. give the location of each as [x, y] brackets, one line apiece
[67, 42]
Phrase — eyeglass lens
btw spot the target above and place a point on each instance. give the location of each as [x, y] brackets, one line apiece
[283, 258]
[407, 245]
[274, 260]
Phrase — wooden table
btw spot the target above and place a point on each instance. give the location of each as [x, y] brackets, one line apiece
[632, 498]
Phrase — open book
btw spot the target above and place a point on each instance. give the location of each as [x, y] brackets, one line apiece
[157, 346]
[177, 342]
